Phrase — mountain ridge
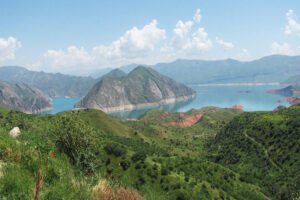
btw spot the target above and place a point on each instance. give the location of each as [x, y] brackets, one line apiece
[142, 87]
[53, 84]
[23, 97]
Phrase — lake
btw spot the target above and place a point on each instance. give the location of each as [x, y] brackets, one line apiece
[252, 98]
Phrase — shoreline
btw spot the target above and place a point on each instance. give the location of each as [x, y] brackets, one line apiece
[237, 84]
[141, 106]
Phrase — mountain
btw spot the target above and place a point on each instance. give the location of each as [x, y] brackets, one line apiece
[100, 72]
[292, 80]
[269, 69]
[55, 85]
[23, 97]
[142, 87]
[115, 73]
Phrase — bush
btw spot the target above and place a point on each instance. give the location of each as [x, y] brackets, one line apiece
[78, 141]
[139, 156]
[125, 164]
[114, 149]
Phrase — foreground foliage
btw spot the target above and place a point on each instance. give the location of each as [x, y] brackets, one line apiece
[226, 155]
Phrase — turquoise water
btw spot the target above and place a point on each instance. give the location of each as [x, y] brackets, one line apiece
[62, 104]
[253, 98]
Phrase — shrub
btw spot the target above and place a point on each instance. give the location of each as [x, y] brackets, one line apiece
[139, 156]
[125, 164]
[78, 141]
[114, 149]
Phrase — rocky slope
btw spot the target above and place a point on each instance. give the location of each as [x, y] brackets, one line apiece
[55, 85]
[24, 98]
[142, 87]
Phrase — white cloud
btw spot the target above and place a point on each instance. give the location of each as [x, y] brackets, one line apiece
[58, 60]
[200, 40]
[292, 26]
[180, 39]
[185, 42]
[135, 43]
[284, 49]
[197, 17]
[8, 47]
[225, 45]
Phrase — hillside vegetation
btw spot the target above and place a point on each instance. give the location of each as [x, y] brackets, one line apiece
[227, 154]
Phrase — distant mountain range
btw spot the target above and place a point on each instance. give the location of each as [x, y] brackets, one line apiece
[24, 98]
[275, 68]
[142, 87]
[55, 85]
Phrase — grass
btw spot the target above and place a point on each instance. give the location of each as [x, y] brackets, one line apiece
[145, 159]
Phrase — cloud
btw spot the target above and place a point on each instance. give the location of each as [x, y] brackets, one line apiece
[57, 60]
[185, 42]
[135, 43]
[284, 49]
[200, 40]
[134, 46]
[292, 26]
[197, 17]
[8, 47]
[225, 45]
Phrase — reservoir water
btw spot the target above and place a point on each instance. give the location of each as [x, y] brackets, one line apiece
[252, 98]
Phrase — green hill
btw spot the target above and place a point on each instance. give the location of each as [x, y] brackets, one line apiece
[142, 87]
[263, 147]
[55, 85]
[227, 154]
[24, 98]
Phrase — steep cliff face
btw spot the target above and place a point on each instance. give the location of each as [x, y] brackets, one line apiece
[143, 87]
[24, 98]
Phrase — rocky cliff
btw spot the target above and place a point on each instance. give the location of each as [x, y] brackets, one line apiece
[24, 98]
[142, 87]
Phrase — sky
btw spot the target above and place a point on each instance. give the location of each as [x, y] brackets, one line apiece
[82, 36]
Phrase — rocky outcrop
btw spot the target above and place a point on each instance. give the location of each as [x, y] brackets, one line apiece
[141, 88]
[291, 100]
[187, 121]
[237, 106]
[15, 132]
[24, 98]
